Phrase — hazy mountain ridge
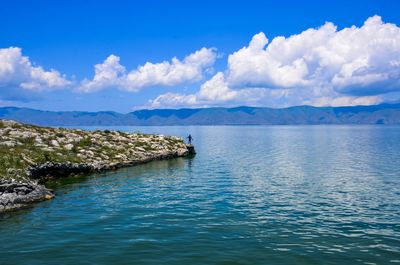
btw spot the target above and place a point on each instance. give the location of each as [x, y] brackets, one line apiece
[376, 114]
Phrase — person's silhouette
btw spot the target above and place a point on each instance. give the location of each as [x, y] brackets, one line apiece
[190, 138]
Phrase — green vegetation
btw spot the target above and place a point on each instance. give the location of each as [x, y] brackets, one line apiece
[24, 145]
[14, 161]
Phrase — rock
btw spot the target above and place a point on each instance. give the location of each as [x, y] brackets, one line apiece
[9, 143]
[107, 144]
[121, 157]
[30, 162]
[140, 149]
[48, 149]
[14, 195]
[55, 143]
[190, 149]
[51, 170]
[68, 147]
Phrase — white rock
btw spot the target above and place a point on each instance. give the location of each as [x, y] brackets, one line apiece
[140, 149]
[107, 144]
[48, 149]
[55, 143]
[68, 146]
[121, 156]
[8, 143]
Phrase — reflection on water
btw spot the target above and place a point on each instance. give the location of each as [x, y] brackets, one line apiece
[251, 195]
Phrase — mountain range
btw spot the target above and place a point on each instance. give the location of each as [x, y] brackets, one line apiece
[376, 114]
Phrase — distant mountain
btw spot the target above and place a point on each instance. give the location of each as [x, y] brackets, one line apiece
[377, 114]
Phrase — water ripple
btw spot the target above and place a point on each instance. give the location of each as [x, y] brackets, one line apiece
[252, 195]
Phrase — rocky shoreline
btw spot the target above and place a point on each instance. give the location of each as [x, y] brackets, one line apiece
[31, 155]
[18, 194]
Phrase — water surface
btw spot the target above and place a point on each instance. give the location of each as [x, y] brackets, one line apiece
[252, 195]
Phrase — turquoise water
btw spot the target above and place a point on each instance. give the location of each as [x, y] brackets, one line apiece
[252, 195]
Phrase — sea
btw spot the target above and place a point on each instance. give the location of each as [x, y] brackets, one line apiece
[315, 194]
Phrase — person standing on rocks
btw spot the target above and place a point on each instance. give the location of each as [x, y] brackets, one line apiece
[190, 138]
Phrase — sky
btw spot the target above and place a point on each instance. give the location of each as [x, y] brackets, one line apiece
[129, 55]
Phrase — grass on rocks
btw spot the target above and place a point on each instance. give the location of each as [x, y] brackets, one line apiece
[24, 145]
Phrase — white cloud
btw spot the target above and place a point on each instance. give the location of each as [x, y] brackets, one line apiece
[216, 92]
[355, 61]
[17, 71]
[216, 89]
[213, 92]
[111, 74]
[320, 67]
[171, 100]
[107, 74]
[343, 101]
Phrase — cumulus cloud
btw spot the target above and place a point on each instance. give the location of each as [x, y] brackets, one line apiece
[18, 72]
[111, 74]
[321, 67]
[354, 61]
[171, 100]
[107, 74]
[213, 92]
[216, 89]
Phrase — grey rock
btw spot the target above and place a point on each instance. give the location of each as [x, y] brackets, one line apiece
[15, 195]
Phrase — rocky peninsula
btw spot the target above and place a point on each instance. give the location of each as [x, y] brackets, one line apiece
[31, 155]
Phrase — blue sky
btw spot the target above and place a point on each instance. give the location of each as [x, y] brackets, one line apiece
[328, 66]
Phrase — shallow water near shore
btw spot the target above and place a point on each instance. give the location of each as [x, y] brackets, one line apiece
[251, 195]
